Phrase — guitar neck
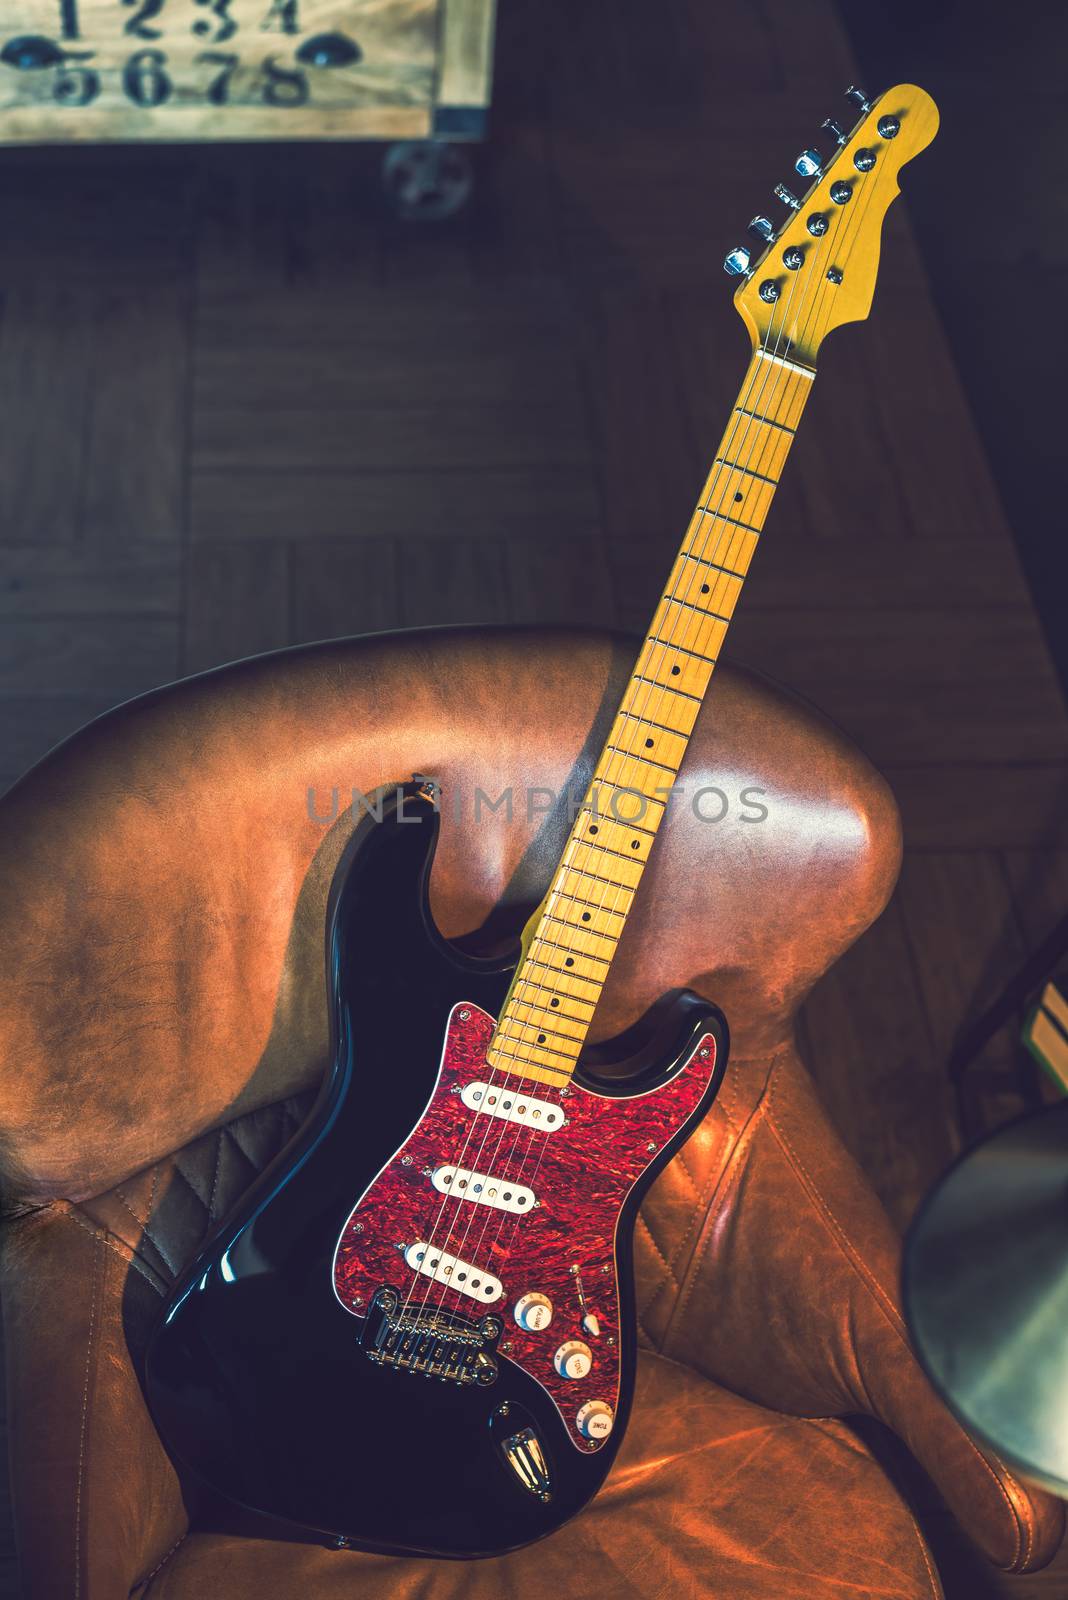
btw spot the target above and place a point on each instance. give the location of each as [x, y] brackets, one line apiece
[569, 943]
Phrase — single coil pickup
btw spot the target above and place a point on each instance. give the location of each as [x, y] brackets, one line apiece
[434, 1344]
[456, 1274]
[483, 1189]
[512, 1106]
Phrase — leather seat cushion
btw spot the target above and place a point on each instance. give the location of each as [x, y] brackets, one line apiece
[712, 1497]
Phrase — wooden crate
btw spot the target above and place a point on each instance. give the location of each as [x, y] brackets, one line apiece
[137, 70]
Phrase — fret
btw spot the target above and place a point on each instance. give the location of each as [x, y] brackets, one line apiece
[568, 879]
[736, 466]
[547, 936]
[595, 807]
[744, 496]
[688, 555]
[720, 591]
[543, 1025]
[687, 672]
[708, 540]
[529, 1066]
[757, 444]
[681, 693]
[578, 900]
[632, 755]
[561, 1011]
[665, 741]
[768, 421]
[568, 950]
[566, 983]
[669, 644]
[710, 631]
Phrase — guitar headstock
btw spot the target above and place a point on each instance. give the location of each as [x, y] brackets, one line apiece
[818, 269]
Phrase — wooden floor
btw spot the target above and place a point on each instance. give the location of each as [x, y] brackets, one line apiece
[241, 407]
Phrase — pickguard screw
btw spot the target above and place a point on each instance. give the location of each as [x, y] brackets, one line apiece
[463, 1014]
[406, 1161]
[503, 1409]
[357, 1299]
[611, 1339]
[357, 1227]
[650, 1147]
[703, 1055]
[606, 1268]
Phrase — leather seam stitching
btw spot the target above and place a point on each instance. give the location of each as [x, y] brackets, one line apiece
[147, 1579]
[215, 1179]
[885, 1305]
[83, 1431]
[95, 1231]
[147, 1231]
[716, 1202]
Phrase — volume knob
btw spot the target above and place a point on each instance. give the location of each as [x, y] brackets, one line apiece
[573, 1359]
[594, 1420]
[533, 1311]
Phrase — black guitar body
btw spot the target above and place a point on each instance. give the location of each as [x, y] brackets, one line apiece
[313, 1366]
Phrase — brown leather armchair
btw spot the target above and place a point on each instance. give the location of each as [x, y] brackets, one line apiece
[164, 1026]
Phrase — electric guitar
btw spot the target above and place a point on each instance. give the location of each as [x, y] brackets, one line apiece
[417, 1332]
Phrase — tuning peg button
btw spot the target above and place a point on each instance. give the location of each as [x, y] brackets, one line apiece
[858, 97]
[763, 227]
[782, 193]
[737, 261]
[831, 127]
[808, 164]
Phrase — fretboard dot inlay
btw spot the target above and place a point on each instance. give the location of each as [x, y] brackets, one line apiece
[585, 916]
[675, 672]
[554, 1002]
[570, 962]
[648, 744]
[738, 495]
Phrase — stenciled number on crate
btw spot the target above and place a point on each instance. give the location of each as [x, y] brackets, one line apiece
[145, 77]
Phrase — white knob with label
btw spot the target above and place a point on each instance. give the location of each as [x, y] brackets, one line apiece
[595, 1419]
[533, 1311]
[573, 1359]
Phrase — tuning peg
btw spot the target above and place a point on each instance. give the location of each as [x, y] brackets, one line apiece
[782, 193]
[764, 228]
[737, 262]
[831, 127]
[808, 164]
[858, 97]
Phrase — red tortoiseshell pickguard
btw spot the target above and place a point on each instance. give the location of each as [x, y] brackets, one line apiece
[580, 1173]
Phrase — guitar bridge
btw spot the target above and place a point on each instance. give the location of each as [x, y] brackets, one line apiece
[435, 1343]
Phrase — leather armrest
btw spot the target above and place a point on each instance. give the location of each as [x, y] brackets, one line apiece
[97, 1501]
[791, 1299]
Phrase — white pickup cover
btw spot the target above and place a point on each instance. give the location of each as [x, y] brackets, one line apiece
[456, 1274]
[513, 1106]
[484, 1189]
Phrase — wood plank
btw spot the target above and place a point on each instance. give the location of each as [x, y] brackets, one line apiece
[868, 1043]
[503, 502]
[917, 686]
[560, 582]
[342, 587]
[119, 656]
[58, 580]
[982, 805]
[46, 351]
[134, 485]
[461, 582]
[237, 602]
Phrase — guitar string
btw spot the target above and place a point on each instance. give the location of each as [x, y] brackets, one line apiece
[462, 1252]
[729, 444]
[606, 778]
[798, 378]
[716, 482]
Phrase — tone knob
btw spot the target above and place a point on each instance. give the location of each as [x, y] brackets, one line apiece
[573, 1359]
[594, 1420]
[533, 1311]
